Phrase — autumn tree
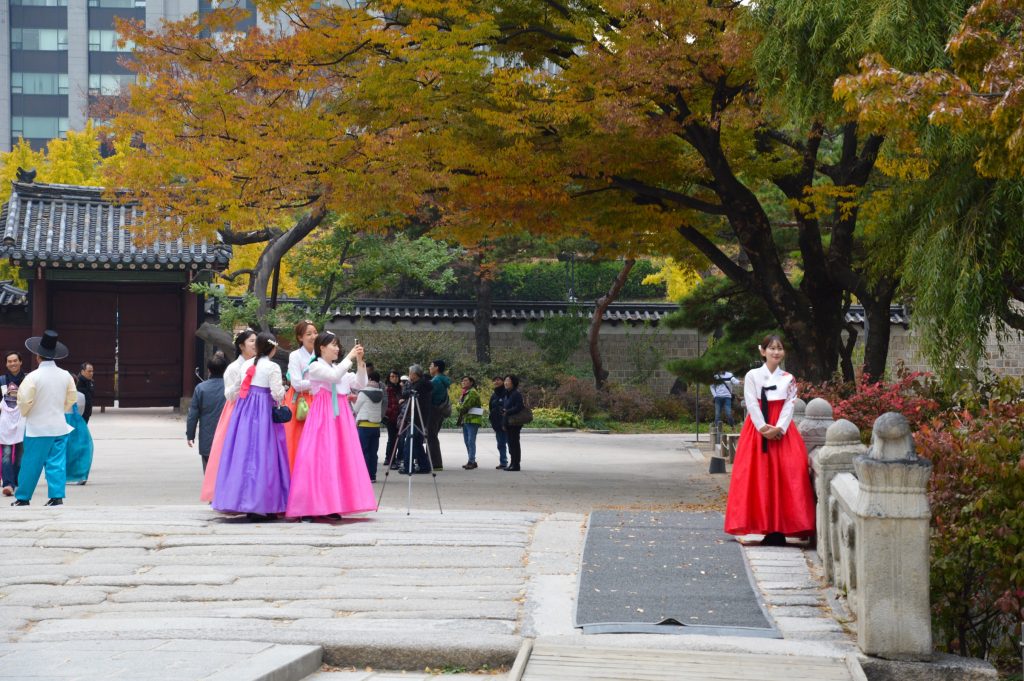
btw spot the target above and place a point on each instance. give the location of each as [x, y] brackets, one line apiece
[340, 262]
[337, 112]
[73, 160]
[668, 117]
[958, 149]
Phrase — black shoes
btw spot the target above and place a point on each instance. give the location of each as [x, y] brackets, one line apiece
[470, 466]
[774, 539]
[501, 467]
[513, 469]
[53, 502]
[19, 502]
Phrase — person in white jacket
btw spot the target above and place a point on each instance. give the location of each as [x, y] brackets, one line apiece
[369, 407]
[43, 398]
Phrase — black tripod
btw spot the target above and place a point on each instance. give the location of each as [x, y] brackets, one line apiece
[410, 420]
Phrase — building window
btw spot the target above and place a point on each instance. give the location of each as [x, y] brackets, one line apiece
[108, 84]
[38, 127]
[118, 4]
[107, 41]
[41, 3]
[39, 83]
[43, 39]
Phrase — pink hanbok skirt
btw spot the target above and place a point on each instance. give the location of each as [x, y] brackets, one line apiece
[329, 474]
[213, 463]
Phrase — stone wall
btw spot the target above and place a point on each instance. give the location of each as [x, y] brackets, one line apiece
[632, 351]
[904, 347]
[629, 352]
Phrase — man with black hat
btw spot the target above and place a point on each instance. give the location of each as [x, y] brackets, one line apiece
[43, 398]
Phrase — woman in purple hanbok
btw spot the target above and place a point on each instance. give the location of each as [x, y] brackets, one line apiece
[330, 476]
[253, 476]
[245, 345]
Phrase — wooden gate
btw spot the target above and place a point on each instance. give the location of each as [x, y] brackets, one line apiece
[131, 333]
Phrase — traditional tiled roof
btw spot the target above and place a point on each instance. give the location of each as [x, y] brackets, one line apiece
[501, 311]
[526, 311]
[11, 295]
[67, 226]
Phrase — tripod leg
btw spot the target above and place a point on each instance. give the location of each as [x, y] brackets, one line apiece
[433, 474]
[402, 426]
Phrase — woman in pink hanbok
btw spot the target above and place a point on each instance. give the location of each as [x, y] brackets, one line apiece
[245, 344]
[330, 477]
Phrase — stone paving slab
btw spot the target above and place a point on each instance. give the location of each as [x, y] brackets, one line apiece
[386, 590]
[157, 660]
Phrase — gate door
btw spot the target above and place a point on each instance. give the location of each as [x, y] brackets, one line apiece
[149, 345]
[85, 316]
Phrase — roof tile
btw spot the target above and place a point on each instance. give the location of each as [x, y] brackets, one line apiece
[69, 225]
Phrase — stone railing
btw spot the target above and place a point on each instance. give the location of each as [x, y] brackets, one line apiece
[873, 525]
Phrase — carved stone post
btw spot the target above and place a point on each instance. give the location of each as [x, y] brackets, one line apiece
[815, 424]
[842, 444]
[799, 410]
[892, 522]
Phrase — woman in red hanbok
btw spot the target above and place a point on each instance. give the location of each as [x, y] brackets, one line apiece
[770, 491]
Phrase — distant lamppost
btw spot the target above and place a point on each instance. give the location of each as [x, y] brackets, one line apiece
[570, 274]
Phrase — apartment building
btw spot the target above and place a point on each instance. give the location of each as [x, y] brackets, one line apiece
[58, 56]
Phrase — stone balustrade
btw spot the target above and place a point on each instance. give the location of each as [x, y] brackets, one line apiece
[873, 527]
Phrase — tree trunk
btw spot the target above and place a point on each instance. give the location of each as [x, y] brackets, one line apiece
[217, 337]
[482, 316]
[272, 254]
[876, 345]
[593, 334]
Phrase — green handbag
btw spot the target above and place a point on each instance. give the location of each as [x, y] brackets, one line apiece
[301, 407]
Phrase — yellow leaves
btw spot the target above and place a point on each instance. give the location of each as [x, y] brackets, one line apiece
[245, 257]
[679, 279]
[822, 201]
[905, 167]
[75, 160]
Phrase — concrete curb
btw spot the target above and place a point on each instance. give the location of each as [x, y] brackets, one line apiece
[279, 663]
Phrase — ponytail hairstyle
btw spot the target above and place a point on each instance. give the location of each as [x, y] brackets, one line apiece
[240, 339]
[265, 344]
[322, 339]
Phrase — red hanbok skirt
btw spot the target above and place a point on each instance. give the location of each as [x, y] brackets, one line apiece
[770, 492]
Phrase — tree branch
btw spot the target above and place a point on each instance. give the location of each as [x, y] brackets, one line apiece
[643, 189]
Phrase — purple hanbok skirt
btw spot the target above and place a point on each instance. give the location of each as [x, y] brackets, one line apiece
[253, 475]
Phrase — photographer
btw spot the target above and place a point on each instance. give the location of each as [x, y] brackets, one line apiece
[418, 389]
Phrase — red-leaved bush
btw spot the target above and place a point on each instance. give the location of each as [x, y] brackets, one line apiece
[864, 401]
[977, 502]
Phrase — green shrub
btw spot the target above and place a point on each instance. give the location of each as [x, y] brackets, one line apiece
[977, 496]
[552, 417]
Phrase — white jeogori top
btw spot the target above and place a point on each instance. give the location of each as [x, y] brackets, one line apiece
[233, 379]
[267, 375]
[779, 385]
[298, 366]
[322, 375]
[44, 397]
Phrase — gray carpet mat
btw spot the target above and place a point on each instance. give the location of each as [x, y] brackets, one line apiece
[666, 572]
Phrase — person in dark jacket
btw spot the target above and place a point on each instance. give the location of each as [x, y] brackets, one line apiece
[417, 391]
[85, 385]
[207, 403]
[441, 408]
[393, 405]
[494, 408]
[512, 404]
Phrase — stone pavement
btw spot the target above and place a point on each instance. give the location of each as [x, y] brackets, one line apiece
[388, 592]
[109, 584]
